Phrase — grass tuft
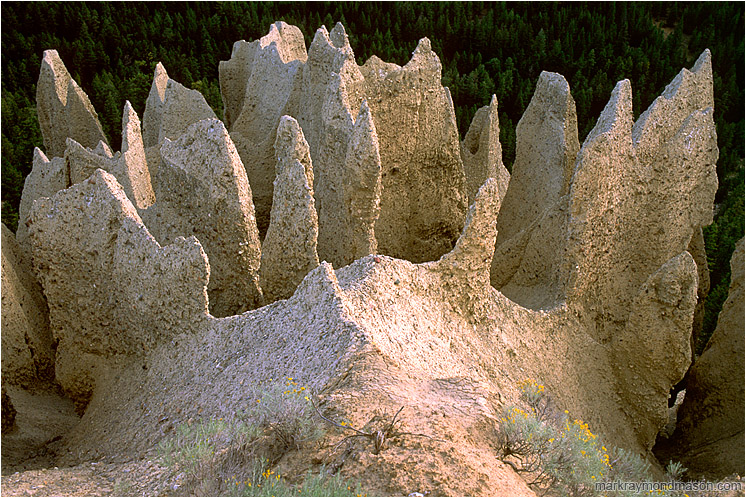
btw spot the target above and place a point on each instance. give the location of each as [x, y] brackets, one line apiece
[217, 457]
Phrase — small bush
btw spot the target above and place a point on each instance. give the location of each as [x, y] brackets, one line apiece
[286, 411]
[235, 457]
[208, 450]
[560, 455]
[675, 471]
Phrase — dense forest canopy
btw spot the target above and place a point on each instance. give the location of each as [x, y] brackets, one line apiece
[111, 49]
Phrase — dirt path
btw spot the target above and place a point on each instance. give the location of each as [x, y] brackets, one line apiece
[44, 415]
[28, 457]
[83, 480]
[92, 479]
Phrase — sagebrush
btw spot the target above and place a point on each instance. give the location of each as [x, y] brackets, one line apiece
[236, 457]
[560, 455]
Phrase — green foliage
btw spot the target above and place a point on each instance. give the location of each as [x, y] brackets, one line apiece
[235, 457]
[20, 134]
[675, 470]
[286, 410]
[262, 481]
[627, 467]
[557, 454]
[563, 457]
[193, 445]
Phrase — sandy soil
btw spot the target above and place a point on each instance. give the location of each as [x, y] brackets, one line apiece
[30, 450]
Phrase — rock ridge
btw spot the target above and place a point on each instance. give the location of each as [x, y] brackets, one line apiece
[63, 108]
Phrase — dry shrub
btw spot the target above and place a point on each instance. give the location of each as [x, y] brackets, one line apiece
[235, 457]
[562, 456]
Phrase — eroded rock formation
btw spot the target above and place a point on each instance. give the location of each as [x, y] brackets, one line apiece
[132, 168]
[323, 89]
[361, 336]
[63, 108]
[233, 75]
[289, 249]
[709, 437]
[28, 353]
[83, 161]
[182, 107]
[152, 118]
[260, 83]
[332, 94]
[129, 166]
[114, 293]
[546, 147]
[576, 249]
[697, 250]
[203, 191]
[8, 412]
[153, 115]
[169, 110]
[362, 186]
[579, 252]
[482, 153]
[76, 163]
[435, 337]
[423, 197]
[596, 290]
[47, 177]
